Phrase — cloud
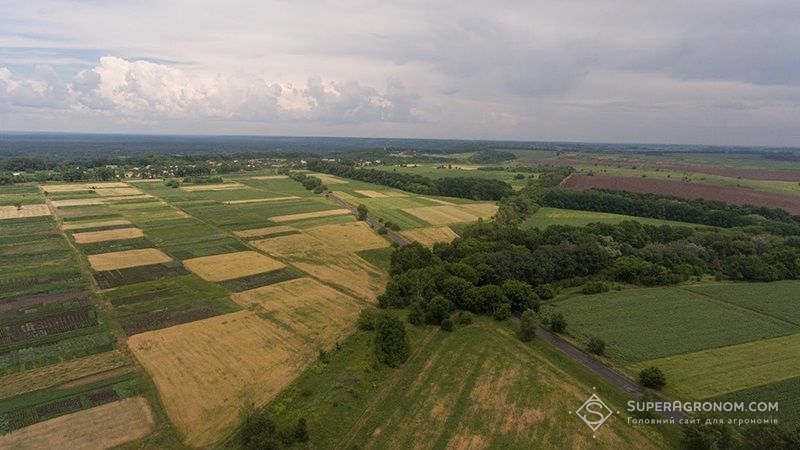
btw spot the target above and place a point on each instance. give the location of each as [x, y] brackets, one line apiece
[148, 90]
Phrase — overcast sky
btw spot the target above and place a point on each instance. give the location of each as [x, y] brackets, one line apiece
[696, 71]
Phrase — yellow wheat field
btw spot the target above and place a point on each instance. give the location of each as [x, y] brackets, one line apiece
[119, 192]
[56, 374]
[266, 231]
[12, 212]
[207, 370]
[98, 428]
[107, 235]
[77, 202]
[229, 266]
[430, 235]
[339, 266]
[317, 312]
[372, 194]
[351, 236]
[310, 215]
[128, 258]
[327, 179]
[99, 224]
[261, 200]
[436, 200]
[449, 214]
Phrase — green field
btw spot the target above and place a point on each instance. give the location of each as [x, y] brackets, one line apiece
[478, 385]
[786, 391]
[718, 371]
[643, 324]
[454, 170]
[778, 299]
[545, 216]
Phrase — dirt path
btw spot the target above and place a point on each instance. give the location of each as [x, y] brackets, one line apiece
[380, 396]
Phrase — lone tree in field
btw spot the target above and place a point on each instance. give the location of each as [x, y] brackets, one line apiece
[362, 211]
[596, 346]
[527, 325]
[652, 377]
[18, 204]
[391, 345]
[558, 323]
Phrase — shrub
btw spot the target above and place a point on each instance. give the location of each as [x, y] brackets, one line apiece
[527, 325]
[391, 344]
[502, 311]
[369, 317]
[595, 287]
[652, 377]
[415, 314]
[382, 230]
[596, 346]
[447, 325]
[464, 317]
[363, 211]
[545, 291]
[558, 324]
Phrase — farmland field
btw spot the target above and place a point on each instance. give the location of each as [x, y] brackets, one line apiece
[477, 387]
[690, 190]
[778, 299]
[545, 217]
[681, 325]
[430, 235]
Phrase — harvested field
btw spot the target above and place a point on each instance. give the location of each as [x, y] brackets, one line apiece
[727, 194]
[98, 224]
[206, 371]
[436, 200]
[12, 212]
[448, 214]
[57, 374]
[128, 198]
[351, 236]
[77, 202]
[232, 265]
[127, 258]
[267, 231]
[310, 215]
[317, 312]
[261, 200]
[102, 427]
[213, 187]
[429, 236]
[270, 177]
[107, 235]
[327, 179]
[338, 266]
[372, 194]
[53, 188]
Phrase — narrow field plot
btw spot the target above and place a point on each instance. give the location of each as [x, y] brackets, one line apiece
[310, 215]
[213, 187]
[266, 231]
[442, 215]
[346, 196]
[430, 235]
[107, 235]
[97, 224]
[206, 371]
[261, 200]
[128, 198]
[56, 374]
[77, 202]
[544, 217]
[337, 266]
[351, 236]
[102, 427]
[643, 324]
[12, 212]
[327, 179]
[119, 192]
[228, 266]
[482, 210]
[372, 194]
[53, 188]
[128, 258]
[436, 200]
[709, 373]
[270, 177]
[314, 311]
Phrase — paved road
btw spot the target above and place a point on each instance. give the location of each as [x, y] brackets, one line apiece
[394, 236]
[619, 380]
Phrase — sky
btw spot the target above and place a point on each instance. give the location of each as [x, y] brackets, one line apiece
[697, 71]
